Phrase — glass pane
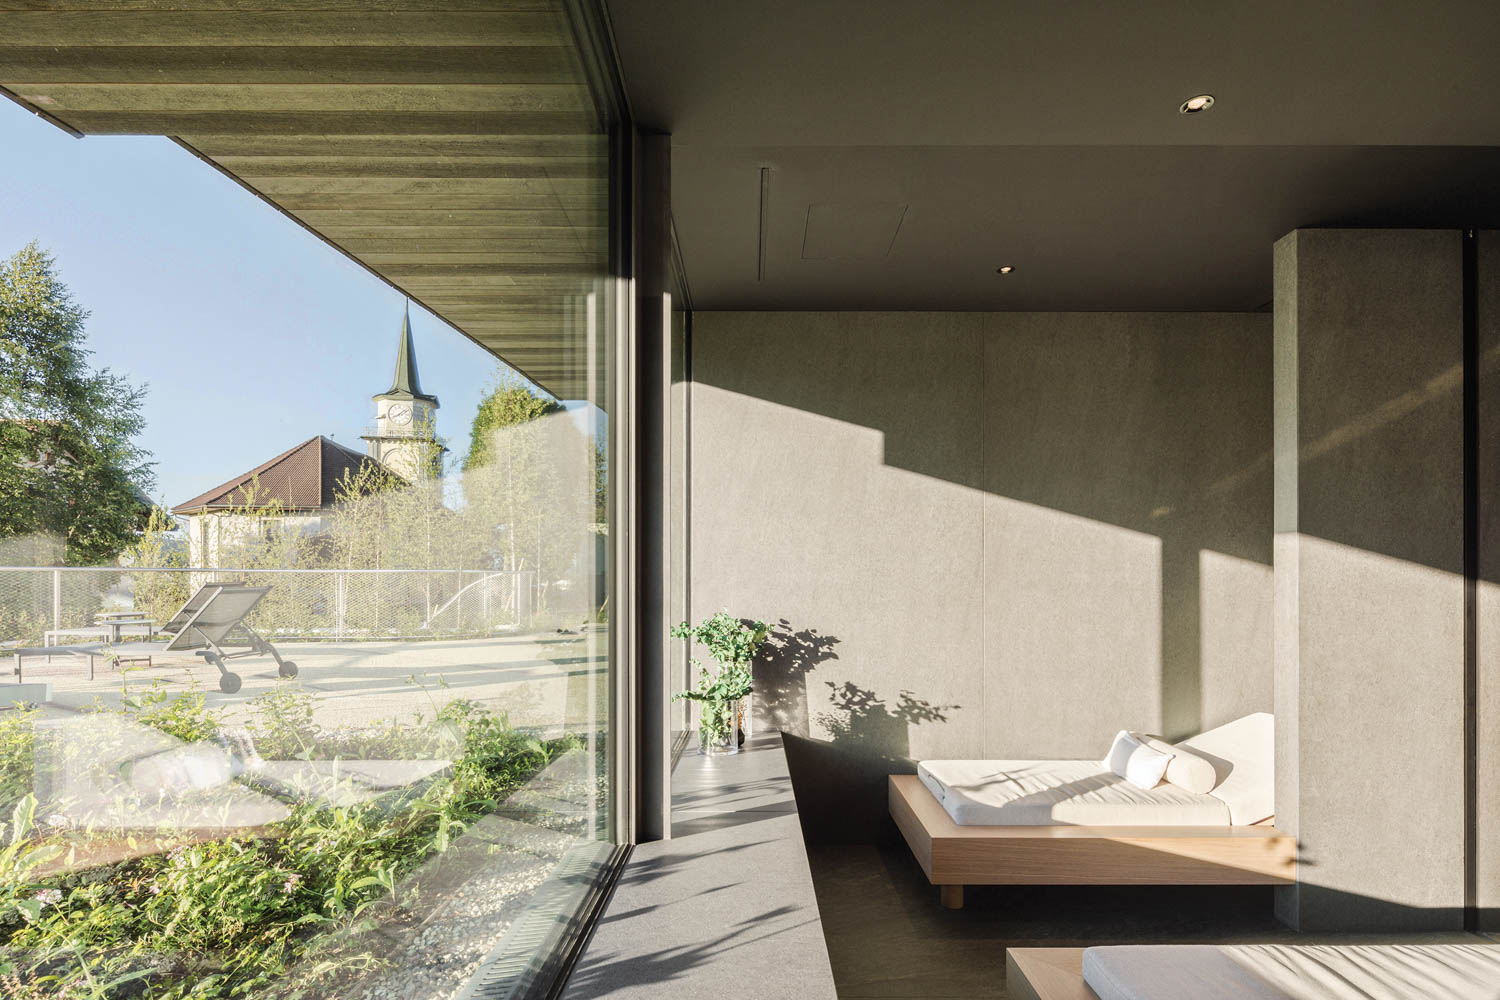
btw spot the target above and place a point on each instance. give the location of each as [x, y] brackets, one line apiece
[307, 584]
[679, 482]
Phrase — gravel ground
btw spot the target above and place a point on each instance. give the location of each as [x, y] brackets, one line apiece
[467, 899]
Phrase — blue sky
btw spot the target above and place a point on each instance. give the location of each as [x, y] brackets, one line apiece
[252, 334]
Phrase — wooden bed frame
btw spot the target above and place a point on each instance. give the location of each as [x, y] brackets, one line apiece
[953, 856]
[1046, 974]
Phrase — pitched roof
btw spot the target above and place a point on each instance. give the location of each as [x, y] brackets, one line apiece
[301, 478]
[405, 384]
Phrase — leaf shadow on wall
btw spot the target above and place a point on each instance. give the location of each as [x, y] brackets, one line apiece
[781, 670]
[840, 783]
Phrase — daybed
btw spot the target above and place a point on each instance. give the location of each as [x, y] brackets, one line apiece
[1013, 822]
[1256, 972]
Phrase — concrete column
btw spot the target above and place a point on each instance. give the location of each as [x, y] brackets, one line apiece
[1368, 577]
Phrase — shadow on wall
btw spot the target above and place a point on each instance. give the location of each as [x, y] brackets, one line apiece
[1100, 457]
[786, 659]
[840, 783]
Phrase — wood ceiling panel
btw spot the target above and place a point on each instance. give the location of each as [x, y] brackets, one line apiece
[280, 28]
[400, 145]
[324, 122]
[115, 6]
[435, 285]
[413, 166]
[507, 190]
[564, 242]
[501, 261]
[544, 99]
[449, 146]
[444, 218]
[306, 64]
[354, 200]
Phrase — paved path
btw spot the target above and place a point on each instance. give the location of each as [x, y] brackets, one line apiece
[551, 680]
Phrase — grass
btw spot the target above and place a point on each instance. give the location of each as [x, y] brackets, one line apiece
[285, 913]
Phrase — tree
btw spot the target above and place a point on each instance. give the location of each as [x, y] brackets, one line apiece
[69, 469]
[530, 487]
[509, 404]
[159, 546]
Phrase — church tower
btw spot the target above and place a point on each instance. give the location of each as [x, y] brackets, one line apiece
[405, 438]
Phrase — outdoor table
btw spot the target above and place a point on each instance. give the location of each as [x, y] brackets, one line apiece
[111, 630]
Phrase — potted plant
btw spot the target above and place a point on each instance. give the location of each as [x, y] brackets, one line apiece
[721, 691]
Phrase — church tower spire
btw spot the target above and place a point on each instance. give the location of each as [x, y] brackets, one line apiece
[406, 384]
[404, 438]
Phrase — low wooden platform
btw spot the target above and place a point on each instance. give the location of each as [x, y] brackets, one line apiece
[1046, 974]
[953, 856]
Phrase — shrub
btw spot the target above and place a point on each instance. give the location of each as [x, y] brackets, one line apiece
[269, 915]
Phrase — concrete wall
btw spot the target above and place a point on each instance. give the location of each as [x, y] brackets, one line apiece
[988, 535]
[1369, 577]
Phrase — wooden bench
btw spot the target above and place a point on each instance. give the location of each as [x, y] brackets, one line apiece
[953, 856]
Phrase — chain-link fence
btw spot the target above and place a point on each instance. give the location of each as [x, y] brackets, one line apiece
[301, 604]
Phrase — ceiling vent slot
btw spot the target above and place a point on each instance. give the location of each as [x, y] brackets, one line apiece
[765, 201]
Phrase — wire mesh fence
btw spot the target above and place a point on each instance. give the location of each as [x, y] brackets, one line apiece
[300, 604]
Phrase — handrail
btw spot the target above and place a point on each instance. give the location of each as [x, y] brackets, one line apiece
[241, 569]
[464, 590]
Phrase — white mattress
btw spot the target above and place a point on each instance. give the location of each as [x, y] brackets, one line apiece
[1047, 792]
[1294, 972]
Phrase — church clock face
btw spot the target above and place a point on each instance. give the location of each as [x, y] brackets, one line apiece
[400, 414]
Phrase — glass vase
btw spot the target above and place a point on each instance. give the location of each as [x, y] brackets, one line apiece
[719, 725]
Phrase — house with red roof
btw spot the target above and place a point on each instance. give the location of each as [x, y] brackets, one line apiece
[302, 483]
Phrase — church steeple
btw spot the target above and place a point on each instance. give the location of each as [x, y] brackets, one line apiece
[406, 384]
[403, 437]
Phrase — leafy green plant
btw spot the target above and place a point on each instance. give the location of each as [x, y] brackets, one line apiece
[184, 715]
[733, 644]
[283, 728]
[17, 756]
[293, 911]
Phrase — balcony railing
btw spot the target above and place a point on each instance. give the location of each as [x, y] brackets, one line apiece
[302, 603]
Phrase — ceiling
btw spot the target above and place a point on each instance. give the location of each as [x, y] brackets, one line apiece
[912, 148]
[451, 147]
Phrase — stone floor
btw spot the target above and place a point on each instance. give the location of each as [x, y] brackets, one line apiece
[889, 939]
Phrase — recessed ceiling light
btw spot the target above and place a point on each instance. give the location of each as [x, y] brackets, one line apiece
[1193, 105]
[1005, 269]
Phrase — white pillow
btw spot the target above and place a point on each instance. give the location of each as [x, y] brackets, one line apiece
[1187, 769]
[1134, 761]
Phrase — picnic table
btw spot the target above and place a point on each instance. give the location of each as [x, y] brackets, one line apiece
[112, 627]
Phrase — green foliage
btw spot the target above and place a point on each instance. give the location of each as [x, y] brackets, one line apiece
[733, 645]
[511, 403]
[158, 595]
[184, 716]
[68, 468]
[283, 726]
[730, 641]
[291, 913]
[17, 756]
[532, 482]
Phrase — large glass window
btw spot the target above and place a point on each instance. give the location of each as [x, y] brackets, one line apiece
[679, 486]
[304, 565]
